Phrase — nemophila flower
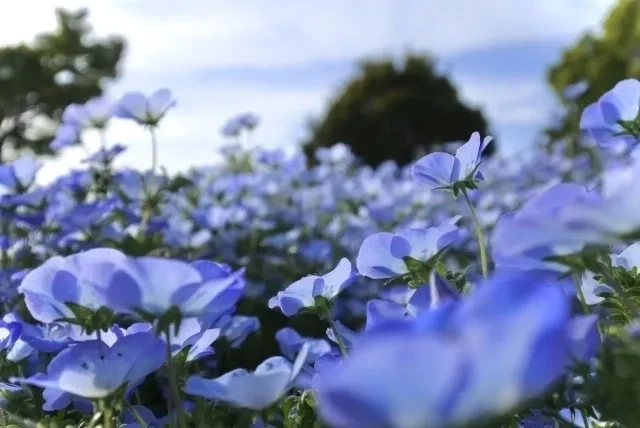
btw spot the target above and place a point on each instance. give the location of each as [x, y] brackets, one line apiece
[236, 125]
[525, 239]
[105, 277]
[66, 135]
[236, 329]
[9, 334]
[94, 370]
[79, 279]
[145, 110]
[255, 391]
[51, 337]
[302, 293]
[614, 117]
[425, 297]
[95, 113]
[20, 174]
[290, 343]
[508, 342]
[576, 90]
[384, 254]
[105, 156]
[441, 170]
[191, 334]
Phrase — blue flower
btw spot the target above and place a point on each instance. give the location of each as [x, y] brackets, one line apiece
[302, 293]
[518, 243]
[20, 174]
[66, 135]
[106, 277]
[192, 335]
[614, 117]
[79, 279]
[441, 170]
[145, 110]
[255, 391]
[290, 343]
[103, 156]
[94, 370]
[236, 329]
[382, 254]
[523, 324]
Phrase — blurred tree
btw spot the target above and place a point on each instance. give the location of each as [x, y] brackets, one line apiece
[594, 64]
[395, 112]
[39, 79]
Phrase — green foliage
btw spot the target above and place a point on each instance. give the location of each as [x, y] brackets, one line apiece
[390, 112]
[624, 303]
[616, 384]
[601, 60]
[39, 79]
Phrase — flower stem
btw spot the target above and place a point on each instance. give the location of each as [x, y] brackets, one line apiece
[339, 341]
[173, 383]
[136, 415]
[577, 280]
[154, 150]
[479, 235]
[107, 415]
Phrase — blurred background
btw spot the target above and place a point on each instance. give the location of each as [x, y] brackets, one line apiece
[391, 78]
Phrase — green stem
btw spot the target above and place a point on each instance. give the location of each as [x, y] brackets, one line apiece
[339, 341]
[107, 415]
[585, 420]
[173, 383]
[154, 150]
[479, 235]
[136, 415]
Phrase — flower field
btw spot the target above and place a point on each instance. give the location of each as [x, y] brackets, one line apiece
[263, 292]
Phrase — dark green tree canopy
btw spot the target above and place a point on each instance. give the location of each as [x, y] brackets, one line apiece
[39, 79]
[599, 61]
[391, 112]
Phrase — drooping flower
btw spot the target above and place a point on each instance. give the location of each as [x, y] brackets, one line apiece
[145, 110]
[94, 370]
[255, 391]
[302, 293]
[441, 170]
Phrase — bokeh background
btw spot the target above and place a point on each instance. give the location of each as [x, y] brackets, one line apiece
[515, 61]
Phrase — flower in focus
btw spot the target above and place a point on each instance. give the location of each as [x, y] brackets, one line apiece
[441, 170]
[302, 293]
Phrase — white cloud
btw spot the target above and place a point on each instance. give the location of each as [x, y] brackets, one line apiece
[170, 42]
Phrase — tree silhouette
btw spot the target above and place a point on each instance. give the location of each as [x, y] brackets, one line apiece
[391, 112]
[37, 80]
[597, 62]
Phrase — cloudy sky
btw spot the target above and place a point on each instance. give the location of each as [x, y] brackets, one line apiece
[284, 58]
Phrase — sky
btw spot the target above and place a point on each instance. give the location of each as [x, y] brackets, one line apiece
[283, 59]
